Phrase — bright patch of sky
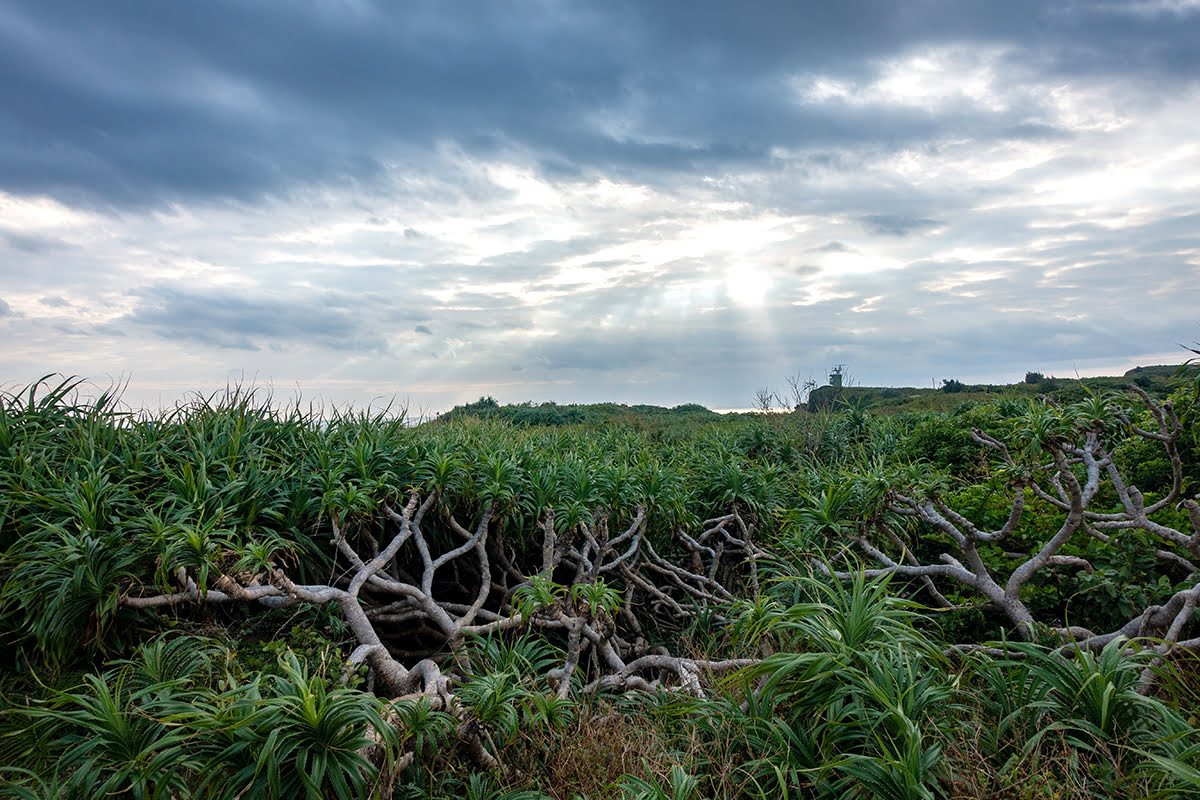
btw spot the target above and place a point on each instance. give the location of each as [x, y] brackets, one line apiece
[573, 201]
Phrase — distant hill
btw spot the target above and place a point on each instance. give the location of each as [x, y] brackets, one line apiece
[1157, 380]
[528, 414]
[1163, 370]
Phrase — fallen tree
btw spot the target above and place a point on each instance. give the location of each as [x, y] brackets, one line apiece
[395, 588]
[379, 591]
[1059, 458]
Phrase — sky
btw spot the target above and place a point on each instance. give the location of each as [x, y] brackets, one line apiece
[659, 202]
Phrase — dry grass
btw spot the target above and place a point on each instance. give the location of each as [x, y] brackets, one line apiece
[1055, 769]
[1179, 684]
[588, 756]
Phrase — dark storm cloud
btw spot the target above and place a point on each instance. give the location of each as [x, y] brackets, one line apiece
[139, 102]
[138, 99]
[232, 321]
[33, 244]
[1094, 37]
[897, 224]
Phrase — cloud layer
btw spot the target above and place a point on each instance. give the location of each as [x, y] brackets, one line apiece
[638, 202]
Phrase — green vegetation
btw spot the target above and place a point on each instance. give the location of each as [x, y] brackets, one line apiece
[1158, 381]
[641, 417]
[237, 600]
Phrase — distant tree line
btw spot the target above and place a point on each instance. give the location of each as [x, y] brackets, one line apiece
[552, 414]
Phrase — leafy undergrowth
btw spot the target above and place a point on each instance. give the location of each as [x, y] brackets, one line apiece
[852, 694]
[854, 701]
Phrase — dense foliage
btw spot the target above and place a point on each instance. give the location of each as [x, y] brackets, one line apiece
[237, 599]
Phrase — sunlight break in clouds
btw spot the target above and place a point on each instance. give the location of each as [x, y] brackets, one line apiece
[927, 79]
[747, 286]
